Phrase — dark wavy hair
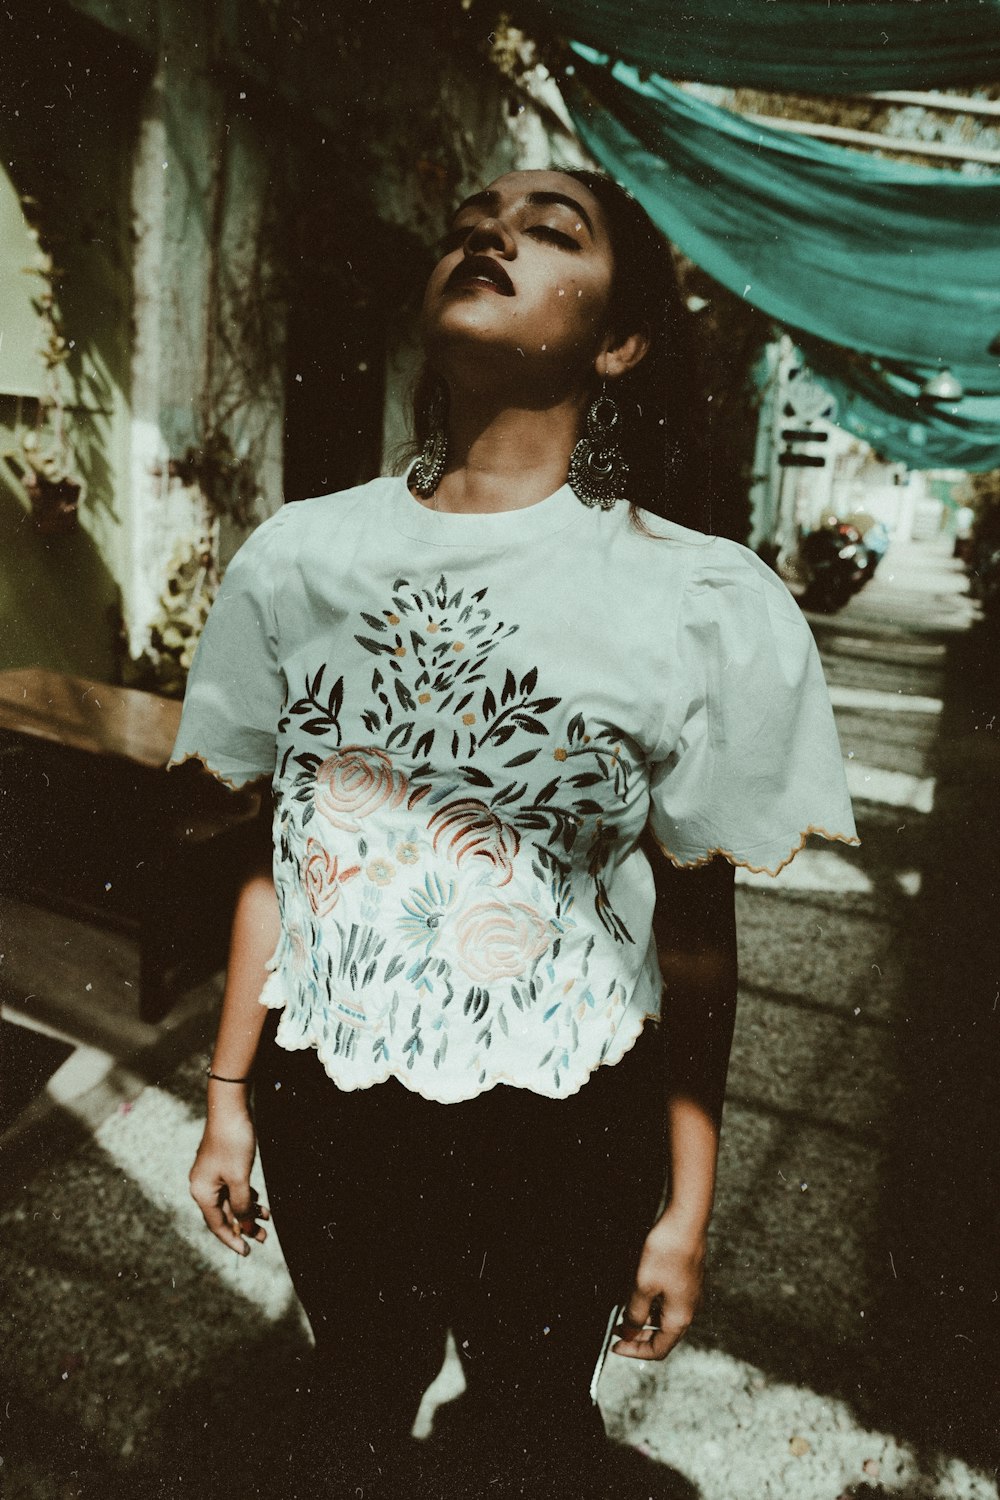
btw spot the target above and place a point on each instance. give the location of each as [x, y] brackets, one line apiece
[662, 431]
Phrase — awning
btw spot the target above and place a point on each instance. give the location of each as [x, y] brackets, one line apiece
[813, 46]
[897, 262]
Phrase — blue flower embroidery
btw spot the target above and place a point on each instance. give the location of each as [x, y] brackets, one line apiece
[424, 911]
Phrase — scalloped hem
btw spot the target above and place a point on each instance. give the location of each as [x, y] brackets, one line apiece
[234, 786]
[743, 864]
[272, 986]
[330, 1062]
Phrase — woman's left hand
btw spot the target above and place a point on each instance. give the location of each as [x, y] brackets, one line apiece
[669, 1279]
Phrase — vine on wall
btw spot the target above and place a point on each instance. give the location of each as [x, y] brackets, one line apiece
[222, 469]
[43, 456]
[192, 581]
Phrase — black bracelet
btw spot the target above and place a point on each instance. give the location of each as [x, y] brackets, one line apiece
[219, 1078]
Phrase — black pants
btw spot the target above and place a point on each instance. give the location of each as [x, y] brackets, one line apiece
[514, 1220]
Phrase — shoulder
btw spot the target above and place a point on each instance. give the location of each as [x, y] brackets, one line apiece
[732, 607]
[301, 522]
[730, 569]
[299, 531]
[654, 554]
[707, 563]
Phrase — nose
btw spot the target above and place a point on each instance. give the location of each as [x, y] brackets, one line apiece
[489, 234]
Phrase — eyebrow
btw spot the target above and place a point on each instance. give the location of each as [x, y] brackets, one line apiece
[490, 199]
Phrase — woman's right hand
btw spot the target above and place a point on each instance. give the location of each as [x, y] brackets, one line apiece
[220, 1176]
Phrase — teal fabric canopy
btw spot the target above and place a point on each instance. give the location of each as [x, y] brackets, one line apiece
[885, 408]
[899, 262]
[814, 46]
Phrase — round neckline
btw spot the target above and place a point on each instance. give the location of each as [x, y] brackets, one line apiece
[451, 528]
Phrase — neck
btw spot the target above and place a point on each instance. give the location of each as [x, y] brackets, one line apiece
[509, 458]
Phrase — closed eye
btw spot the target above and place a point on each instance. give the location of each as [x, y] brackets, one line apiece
[457, 237]
[546, 232]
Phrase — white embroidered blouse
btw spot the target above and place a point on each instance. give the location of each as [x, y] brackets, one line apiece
[469, 720]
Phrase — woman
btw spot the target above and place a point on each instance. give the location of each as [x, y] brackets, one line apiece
[503, 710]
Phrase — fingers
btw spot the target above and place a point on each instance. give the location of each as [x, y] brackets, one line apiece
[638, 1312]
[244, 1223]
[658, 1346]
[218, 1215]
[645, 1335]
[247, 1219]
[232, 1225]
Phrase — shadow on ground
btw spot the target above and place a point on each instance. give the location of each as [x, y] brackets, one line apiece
[903, 1327]
[857, 1248]
[214, 1436]
[937, 1328]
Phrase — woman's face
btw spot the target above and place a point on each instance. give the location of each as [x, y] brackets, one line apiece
[523, 284]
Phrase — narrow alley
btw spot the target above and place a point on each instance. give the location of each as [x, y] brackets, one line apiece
[847, 1347]
[850, 1331]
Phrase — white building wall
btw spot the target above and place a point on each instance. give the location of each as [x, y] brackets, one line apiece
[198, 205]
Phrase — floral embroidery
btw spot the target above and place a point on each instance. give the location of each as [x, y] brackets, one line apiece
[433, 676]
[455, 918]
[421, 926]
[469, 829]
[323, 878]
[323, 714]
[354, 783]
[355, 999]
[414, 969]
[499, 942]
[297, 950]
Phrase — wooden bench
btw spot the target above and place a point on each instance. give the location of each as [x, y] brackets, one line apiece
[92, 825]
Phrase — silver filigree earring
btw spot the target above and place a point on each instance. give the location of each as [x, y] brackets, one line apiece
[597, 471]
[425, 475]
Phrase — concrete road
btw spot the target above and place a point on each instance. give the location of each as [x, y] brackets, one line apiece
[847, 1346]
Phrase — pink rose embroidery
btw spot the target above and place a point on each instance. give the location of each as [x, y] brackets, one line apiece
[471, 830]
[322, 877]
[354, 782]
[499, 942]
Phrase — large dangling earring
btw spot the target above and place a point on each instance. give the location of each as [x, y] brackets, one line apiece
[425, 475]
[597, 471]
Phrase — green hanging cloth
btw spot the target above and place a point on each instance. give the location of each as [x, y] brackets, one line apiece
[887, 409]
[898, 262]
[813, 46]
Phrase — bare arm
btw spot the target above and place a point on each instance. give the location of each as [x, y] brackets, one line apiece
[695, 928]
[220, 1177]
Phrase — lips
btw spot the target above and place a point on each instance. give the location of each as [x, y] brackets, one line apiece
[481, 270]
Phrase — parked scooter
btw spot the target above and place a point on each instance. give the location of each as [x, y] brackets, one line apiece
[984, 578]
[984, 562]
[874, 536]
[836, 563]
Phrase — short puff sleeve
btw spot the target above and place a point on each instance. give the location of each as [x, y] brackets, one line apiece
[236, 688]
[756, 765]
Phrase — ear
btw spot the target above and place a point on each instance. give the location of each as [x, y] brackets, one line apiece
[617, 359]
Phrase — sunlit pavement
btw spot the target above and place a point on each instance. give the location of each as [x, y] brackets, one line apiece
[848, 1341]
[847, 1346]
